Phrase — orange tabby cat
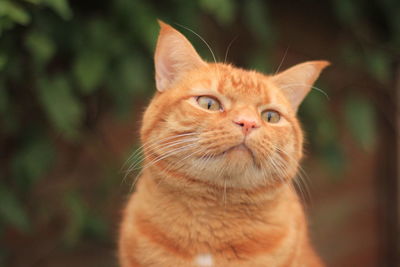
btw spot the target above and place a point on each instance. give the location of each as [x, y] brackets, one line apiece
[221, 147]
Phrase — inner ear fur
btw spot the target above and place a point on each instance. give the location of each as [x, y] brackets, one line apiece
[174, 56]
[297, 81]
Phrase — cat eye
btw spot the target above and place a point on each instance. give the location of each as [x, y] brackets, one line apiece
[271, 116]
[209, 103]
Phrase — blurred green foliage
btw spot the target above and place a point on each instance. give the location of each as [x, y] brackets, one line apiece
[56, 56]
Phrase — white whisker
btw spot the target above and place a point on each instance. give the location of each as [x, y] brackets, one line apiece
[161, 157]
[300, 180]
[161, 147]
[283, 59]
[229, 47]
[135, 164]
[201, 38]
[154, 142]
[307, 85]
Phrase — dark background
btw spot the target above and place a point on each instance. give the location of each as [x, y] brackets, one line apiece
[75, 77]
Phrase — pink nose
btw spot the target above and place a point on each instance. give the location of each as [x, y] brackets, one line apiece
[247, 125]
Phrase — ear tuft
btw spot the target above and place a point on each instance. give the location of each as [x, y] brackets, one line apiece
[298, 80]
[173, 57]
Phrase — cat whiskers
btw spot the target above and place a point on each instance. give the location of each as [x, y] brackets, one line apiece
[302, 177]
[307, 85]
[135, 165]
[283, 59]
[182, 139]
[204, 41]
[201, 38]
[278, 167]
[220, 173]
[151, 143]
[229, 47]
[151, 150]
[169, 154]
[179, 164]
[267, 172]
[163, 156]
[205, 160]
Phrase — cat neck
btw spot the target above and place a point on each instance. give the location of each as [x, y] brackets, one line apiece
[197, 221]
[190, 190]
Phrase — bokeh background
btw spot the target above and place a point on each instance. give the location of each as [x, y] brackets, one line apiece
[75, 77]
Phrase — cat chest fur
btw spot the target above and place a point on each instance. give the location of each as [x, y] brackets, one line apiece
[202, 231]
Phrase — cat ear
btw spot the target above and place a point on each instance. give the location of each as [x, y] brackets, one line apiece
[297, 81]
[174, 55]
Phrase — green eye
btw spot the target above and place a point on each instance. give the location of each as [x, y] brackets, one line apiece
[271, 116]
[209, 103]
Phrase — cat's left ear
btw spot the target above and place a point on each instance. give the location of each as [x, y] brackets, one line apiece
[298, 80]
[173, 57]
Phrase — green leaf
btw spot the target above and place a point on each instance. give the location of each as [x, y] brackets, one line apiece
[41, 47]
[134, 74]
[11, 210]
[81, 220]
[326, 131]
[5, 24]
[313, 102]
[3, 98]
[61, 7]
[14, 12]
[11, 122]
[258, 20]
[223, 10]
[3, 60]
[95, 227]
[334, 158]
[360, 120]
[89, 70]
[351, 55]
[320, 121]
[62, 107]
[259, 61]
[130, 77]
[98, 33]
[144, 27]
[346, 11]
[378, 64]
[35, 2]
[77, 213]
[34, 158]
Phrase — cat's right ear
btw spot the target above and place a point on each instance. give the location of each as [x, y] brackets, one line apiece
[298, 80]
[174, 56]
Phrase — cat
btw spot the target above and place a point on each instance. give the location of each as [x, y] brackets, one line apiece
[222, 146]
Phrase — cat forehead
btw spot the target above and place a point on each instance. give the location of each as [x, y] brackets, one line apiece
[237, 84]
[242, 82]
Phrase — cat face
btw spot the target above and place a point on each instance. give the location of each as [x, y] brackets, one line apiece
[220, 125]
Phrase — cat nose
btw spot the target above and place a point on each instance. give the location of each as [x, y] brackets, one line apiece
[247, 125]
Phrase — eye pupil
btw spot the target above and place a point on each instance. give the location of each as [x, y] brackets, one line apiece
[271, 116]
[209, 103]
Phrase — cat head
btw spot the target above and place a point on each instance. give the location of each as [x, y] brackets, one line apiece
[220, 125]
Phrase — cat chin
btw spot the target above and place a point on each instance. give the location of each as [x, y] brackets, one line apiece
[234, 169]
[239, 152]
[237, 167]
[238, 155]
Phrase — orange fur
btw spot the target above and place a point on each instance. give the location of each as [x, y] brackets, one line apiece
[212, 192]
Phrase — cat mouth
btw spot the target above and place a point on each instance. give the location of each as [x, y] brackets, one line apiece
[240, 148]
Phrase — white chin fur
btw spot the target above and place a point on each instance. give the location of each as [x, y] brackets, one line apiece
[204, 260]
